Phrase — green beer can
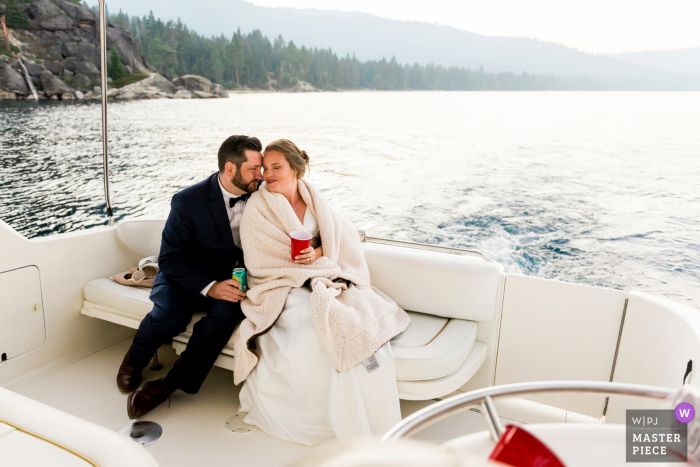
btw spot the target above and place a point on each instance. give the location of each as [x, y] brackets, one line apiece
[241, 276]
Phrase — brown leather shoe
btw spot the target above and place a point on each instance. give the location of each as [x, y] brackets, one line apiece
[152, 394]
[128, 377]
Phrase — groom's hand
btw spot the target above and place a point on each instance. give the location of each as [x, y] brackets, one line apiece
[226, 290]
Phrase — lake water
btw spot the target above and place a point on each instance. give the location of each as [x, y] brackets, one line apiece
[600, 188]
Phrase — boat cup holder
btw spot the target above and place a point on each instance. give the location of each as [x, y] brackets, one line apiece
[144, 433]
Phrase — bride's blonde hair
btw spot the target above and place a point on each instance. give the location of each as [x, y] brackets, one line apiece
[298, 160]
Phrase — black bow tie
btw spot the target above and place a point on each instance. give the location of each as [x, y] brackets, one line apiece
[232, 201]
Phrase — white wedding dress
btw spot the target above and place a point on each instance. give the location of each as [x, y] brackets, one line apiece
[295, 394]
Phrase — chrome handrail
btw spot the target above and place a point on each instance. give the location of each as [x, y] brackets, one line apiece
[443, 409]
[103, 74]
[424, 246]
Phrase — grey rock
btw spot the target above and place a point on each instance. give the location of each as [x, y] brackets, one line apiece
[87, 69]
[128, 70]
[67, 74]
[151, 87]
[36, 82]
[67, 96]
[69, 64]
[57, 23]
[203, 95]
[97, 89]
[4, 95]
[82, 80]
[12, 81]
[34, 69]
[77, 12]
[127, 49]
[54, 97]
[183, 94]
[79, 95]
[88, 53]
[219, 90]
[43, 10]
[70, 49]
[53, 86]
[194, 83]
[54, 67]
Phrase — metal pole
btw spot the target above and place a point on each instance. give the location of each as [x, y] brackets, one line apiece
[103, 72]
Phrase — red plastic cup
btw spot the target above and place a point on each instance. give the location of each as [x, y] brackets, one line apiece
[519, 448]
[301, 240]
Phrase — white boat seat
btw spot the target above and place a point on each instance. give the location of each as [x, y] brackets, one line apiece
[107, 299]
[33, 434]
[432, 347]
[435, 356]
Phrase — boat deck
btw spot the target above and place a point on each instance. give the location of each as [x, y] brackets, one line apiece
[193, 426]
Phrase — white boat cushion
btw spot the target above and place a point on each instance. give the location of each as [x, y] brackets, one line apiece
[134, 301]
[142, 234]
[441, 284]
[34, 434]
[432, 347]
[130, 300]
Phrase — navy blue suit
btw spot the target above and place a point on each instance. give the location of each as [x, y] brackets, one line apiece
[197, 248]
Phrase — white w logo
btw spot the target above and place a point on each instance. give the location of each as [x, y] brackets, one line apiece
[685, 413]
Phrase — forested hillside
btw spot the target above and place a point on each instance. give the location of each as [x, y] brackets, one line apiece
[252, 60]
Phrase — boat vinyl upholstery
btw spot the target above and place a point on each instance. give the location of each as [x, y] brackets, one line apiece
[33, 434]
[444, 294]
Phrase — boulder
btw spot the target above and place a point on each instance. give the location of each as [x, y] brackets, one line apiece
[203, 95]
[70, 49]
[67, 96]
[128, 70]
[147, 86]
[87, 69]
[219, 90]
[11, 81]
[34, 69]
[88, 53]
[54, 97]
[4, 95]
[82, 80]
[45, 15]
[54, 67]
[68, 74]
[78, 12]
[182, 94]
[36, 82]
[194, 83]
[53, 86]
[69, 64]
[128, 49]
[79, 95]
[112, 92]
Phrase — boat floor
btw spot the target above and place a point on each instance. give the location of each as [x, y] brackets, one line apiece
[193, 425]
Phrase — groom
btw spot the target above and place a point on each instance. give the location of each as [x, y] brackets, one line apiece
[200, 248]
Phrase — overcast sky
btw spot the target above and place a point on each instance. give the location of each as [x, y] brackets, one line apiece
[594, 26]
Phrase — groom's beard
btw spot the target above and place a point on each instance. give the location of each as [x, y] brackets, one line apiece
[249, 187]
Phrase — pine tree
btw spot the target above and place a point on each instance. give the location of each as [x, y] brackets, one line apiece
[115, 69]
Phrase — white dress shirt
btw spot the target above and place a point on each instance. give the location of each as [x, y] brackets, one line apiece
[234, 219]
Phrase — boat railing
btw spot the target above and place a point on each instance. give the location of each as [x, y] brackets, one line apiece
[484, 397]
[364, 237]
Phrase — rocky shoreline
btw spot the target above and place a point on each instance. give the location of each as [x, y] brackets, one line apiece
[57, 57]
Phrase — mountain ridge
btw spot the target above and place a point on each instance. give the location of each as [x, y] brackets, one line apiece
[371, 37]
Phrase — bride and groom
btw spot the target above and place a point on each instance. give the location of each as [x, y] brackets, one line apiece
[312, 335]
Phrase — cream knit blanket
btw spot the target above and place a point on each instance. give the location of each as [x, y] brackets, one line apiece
[352, 318]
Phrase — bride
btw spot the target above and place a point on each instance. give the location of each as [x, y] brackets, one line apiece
[314, 350]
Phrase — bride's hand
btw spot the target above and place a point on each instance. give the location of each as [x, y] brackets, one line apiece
[309, 255]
